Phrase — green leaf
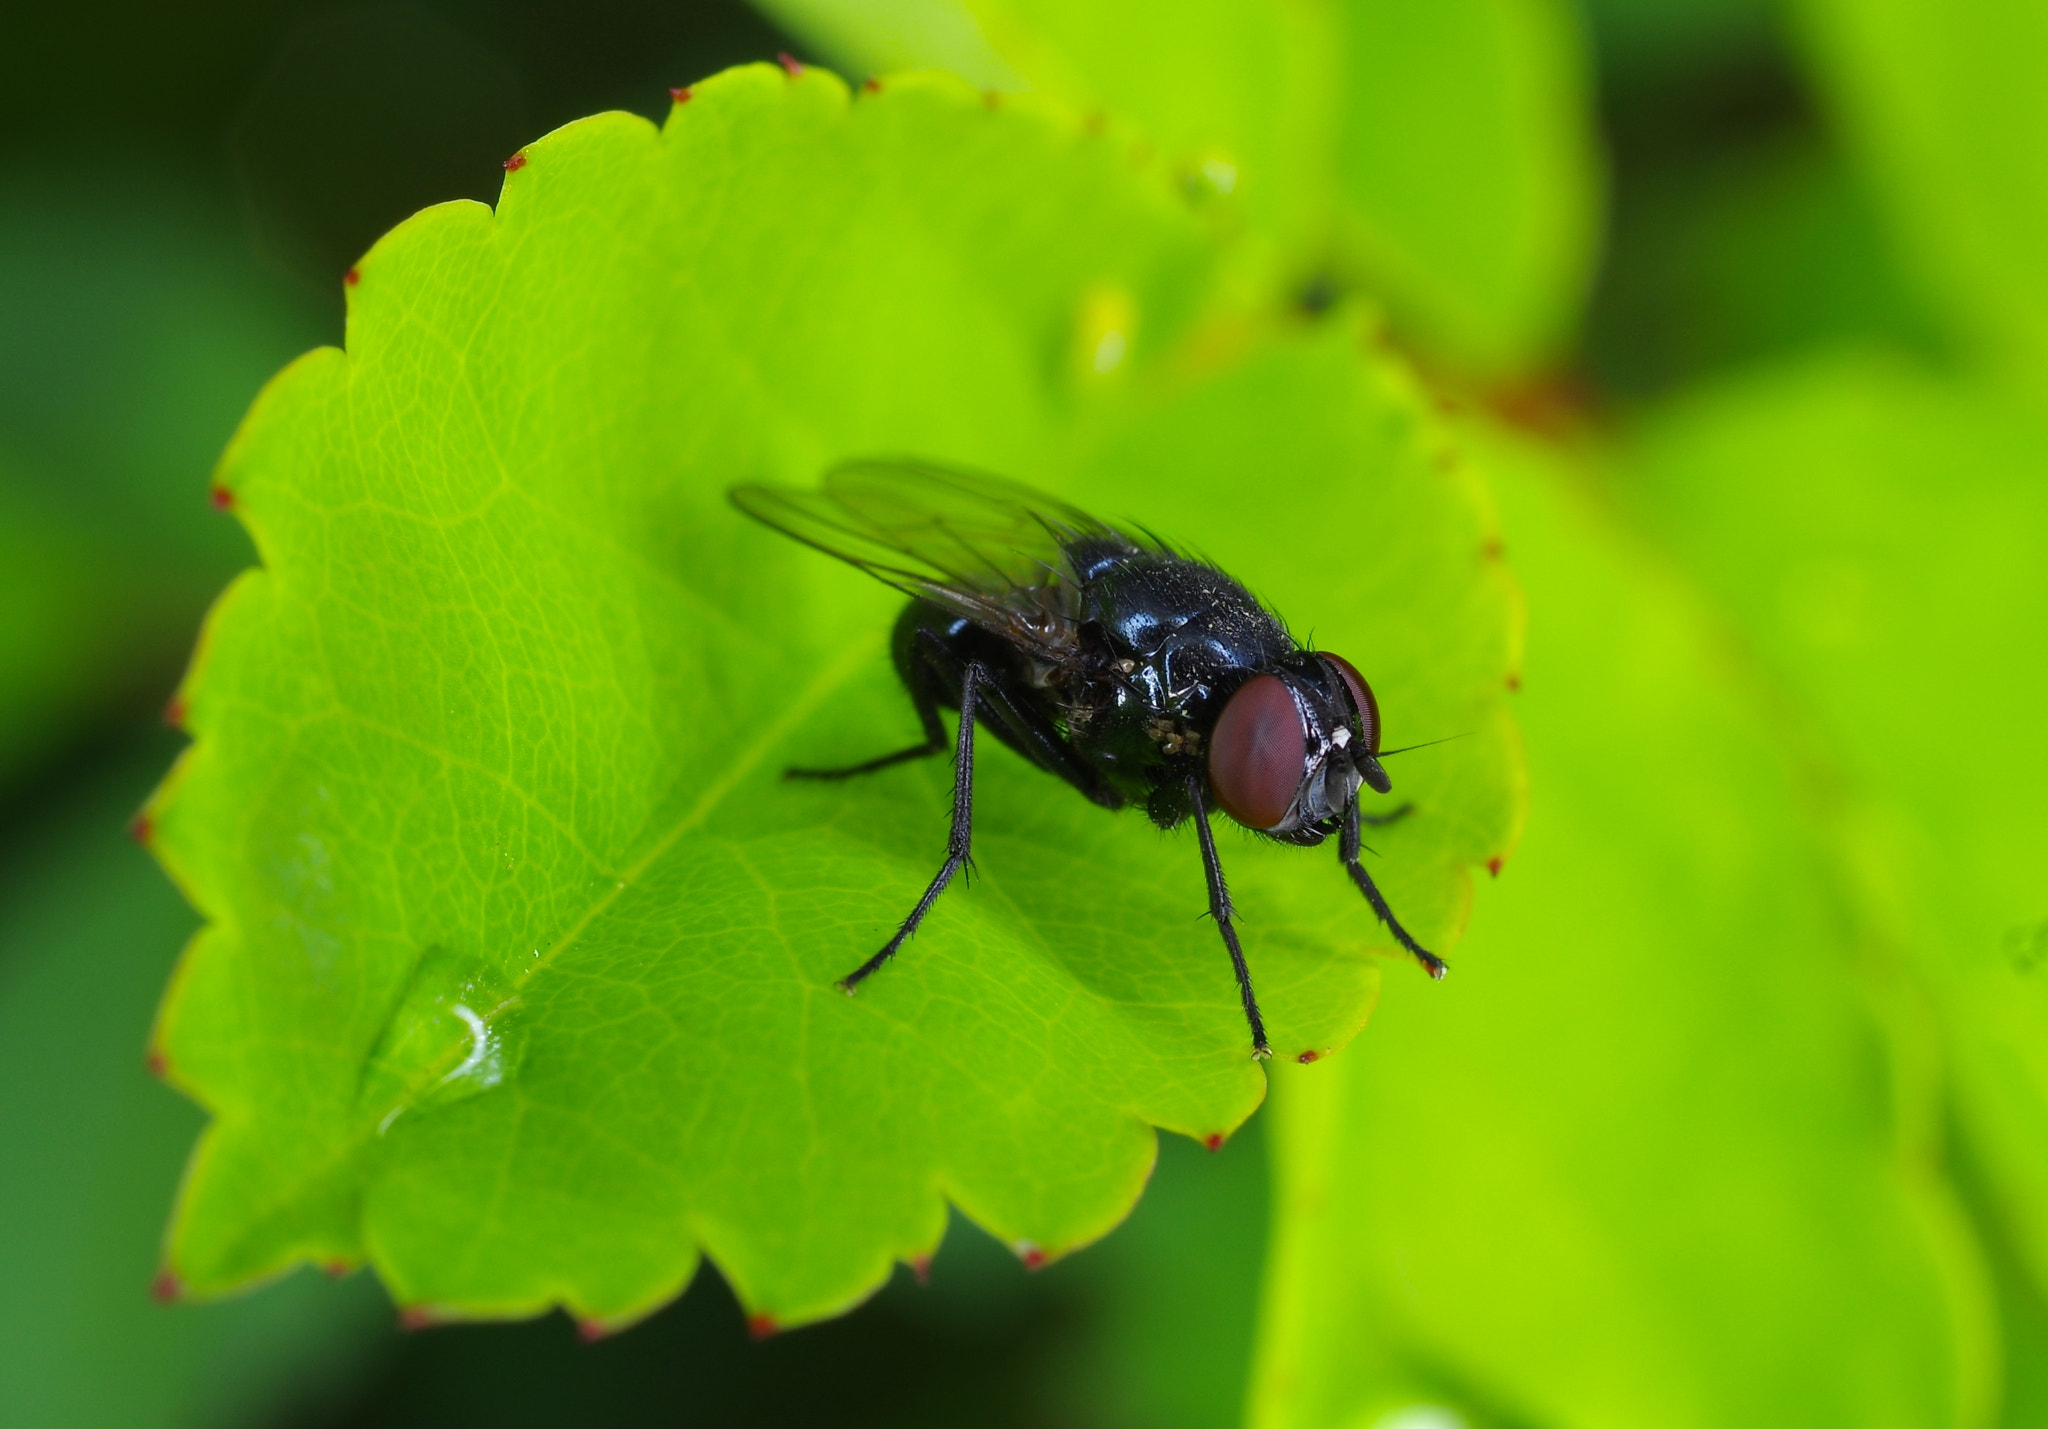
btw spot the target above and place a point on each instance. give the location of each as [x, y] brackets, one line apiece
[1466, 160]
[1945, 104]
[1242, 98]
[87, 929]
[518, 974]
[1882, 538]
[1439, 152]
[1663, 1154]
[873, 37]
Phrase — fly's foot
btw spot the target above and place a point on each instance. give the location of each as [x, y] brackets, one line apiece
[847, 986]
[1262, 1053]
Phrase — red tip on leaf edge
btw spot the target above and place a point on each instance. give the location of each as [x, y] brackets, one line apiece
[174, 712]
[761, 1326]
[222, 498]
[140, 828]
[416, 1317]
[337, 1269]
[517, 162]
[1514, 683]
[591, 1331]
[871, 85]
[351, 278]
[166, 1288]
[1213, 1141]
[921, 1267]
[680, 96]
[154, 1063]
[1030, 1254]
[790, 63]
[1309, 1056]
[1493, 866]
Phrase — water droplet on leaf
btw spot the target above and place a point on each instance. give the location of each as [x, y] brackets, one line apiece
[454, 1033]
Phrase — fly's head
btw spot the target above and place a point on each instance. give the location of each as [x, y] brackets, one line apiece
[1293, 746]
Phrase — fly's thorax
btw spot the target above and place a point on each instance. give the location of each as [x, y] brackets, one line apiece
[1191, 624]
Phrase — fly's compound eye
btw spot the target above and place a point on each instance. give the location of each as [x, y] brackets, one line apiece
[1361, 698]
[1258, 752]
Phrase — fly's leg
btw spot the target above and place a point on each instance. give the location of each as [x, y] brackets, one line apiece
[1347, 850]
[1040, 741]
[1392, 816]
[926, 698]
[1221, 910]
[958, 842]
[902, 756]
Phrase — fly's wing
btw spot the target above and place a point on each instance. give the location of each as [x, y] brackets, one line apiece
[993, 551]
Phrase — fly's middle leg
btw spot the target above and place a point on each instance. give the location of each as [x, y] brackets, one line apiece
[1225, 914]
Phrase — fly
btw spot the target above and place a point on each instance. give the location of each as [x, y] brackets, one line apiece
[1136, 674]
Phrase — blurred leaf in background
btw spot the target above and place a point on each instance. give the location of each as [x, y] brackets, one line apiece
[1726, 261]
[365, 115]
[1881, 537]
[897, 36]
[1669, 1158]
[1944, 105]
[1741, 227]
[129, 340]
[1436, 155]
[1469, 177]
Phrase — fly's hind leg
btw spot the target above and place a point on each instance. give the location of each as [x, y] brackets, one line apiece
[924, 695]
[959, 841]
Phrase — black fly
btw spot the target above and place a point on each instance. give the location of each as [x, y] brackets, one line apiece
[1135, 674]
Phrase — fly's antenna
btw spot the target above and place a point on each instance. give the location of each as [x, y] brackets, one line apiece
[1406, 748]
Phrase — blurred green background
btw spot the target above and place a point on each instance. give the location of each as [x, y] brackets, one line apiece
[1785, 394]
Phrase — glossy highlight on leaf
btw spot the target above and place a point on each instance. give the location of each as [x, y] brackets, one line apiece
[517, 979]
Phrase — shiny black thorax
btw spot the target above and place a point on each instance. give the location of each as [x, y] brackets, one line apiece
[1160, 644]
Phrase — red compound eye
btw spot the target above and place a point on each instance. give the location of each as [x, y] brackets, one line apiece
[1361, 697]
[1257, 753]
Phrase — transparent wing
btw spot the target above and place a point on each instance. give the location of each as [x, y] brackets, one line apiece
[994, 551]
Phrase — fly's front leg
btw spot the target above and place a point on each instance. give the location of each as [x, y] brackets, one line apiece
[958, 843]
[1347, 850]
[1221, 910]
